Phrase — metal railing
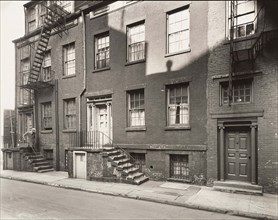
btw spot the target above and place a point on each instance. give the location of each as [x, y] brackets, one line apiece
[94, 140]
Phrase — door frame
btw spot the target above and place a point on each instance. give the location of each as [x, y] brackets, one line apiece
[92, 104]
[247, 123]
[74, 162]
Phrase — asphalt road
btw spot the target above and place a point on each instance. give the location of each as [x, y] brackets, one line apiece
[22, 200]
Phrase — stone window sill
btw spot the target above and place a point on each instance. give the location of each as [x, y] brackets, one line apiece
[177, 53]
[69, 130]
[101, 69]
[46, 131]
[174, 128]
[135, 62]
[142, 128]
[69, 76]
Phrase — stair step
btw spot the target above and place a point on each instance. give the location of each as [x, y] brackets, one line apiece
[116, 157]
[43, 167]
[130, 170]
[35, 157]
[43, 163]
[133, 176]
[125, 166]
[46, 170]
[140, 180]
[120, 162]
[37, 160]
[113, 153]
[237, 187]
[108, 149]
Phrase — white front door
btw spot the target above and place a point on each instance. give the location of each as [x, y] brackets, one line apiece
[80, 165]
[99, 123]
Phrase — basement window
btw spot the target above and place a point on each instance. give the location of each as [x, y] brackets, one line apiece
[139, 160]
[179, 168]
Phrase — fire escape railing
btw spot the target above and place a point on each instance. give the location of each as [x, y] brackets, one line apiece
[242, 49]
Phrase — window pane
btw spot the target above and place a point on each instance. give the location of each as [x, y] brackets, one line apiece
[102, 52]
[136, 42]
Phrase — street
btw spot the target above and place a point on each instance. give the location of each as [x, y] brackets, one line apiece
[22, 200]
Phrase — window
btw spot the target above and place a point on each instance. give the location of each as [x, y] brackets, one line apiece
[42, 12]
[102, 54]
[178, 105]
[241, 92]
[179, 166]
[46, 68]
[69, 59]
[25, 52]
[48, 154]
[178, 30]
[139, 160]
[70, 114]
[136, 108]
[244, 19]
[136, 42]
[46, 116]
[32, 19]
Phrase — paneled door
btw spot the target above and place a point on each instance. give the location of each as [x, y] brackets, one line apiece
[237, 151]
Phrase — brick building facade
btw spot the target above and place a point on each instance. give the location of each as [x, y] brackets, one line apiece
[153, 79]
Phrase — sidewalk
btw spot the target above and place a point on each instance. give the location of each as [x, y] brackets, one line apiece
[197, 197]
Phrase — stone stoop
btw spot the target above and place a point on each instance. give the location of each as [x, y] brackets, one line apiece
[38, 162]
[129, 173]
[238, 187]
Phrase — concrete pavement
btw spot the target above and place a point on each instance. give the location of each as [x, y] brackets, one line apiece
[178, 194]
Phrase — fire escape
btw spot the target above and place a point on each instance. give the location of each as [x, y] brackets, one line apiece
[245, 50]
[54, 21]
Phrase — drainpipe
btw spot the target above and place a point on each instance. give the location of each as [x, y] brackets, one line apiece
[84, 70]
[57, 125]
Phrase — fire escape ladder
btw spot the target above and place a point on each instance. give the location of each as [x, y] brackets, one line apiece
[55, 19]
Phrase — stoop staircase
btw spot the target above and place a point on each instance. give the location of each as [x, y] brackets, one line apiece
[123, 164]
[38, 162]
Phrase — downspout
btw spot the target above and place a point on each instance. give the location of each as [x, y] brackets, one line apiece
[84, 72]
[57, 125]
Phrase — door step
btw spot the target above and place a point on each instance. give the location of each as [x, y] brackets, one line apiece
[237, 187]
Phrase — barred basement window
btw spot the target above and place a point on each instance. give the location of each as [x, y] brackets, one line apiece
[46, 116]
[241, 92]
[136, 108]
[178, 105]
[136, 42]
[179, 166]
[48, 154]
[139, 160]
[102, 53]
[69, 114]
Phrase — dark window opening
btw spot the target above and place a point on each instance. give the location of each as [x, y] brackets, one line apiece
[139, 160]
[179, 166]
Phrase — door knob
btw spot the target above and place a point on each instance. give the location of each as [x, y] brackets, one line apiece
[249, 157]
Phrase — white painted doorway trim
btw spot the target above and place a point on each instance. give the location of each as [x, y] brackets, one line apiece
[74, 162]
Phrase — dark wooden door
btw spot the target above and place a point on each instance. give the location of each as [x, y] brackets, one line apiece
[237, 146]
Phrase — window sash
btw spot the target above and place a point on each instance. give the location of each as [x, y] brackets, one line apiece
[70, 114]
[178, 31]
[178, 105]
[241, 93]
[46, 116]
[69, 59]
[102, 52]
[136, 108]
[136, 42]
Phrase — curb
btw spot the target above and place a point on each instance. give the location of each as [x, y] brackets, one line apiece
[165, 202]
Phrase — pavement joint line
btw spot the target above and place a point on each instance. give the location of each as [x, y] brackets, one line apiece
[136, 197]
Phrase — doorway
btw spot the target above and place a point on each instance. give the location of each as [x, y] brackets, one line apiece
[99, 121]
[80, 166]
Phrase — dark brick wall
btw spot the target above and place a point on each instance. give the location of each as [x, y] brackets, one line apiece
[265, 92]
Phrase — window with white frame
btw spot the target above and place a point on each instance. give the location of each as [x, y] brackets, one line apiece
[46, 68]
[69, 59]
[178, 105]
[102, 53]
[178, 30]
[46, 116]
[69, 114]
[32, 19]
[244, 18]
[136, 108]
[136, 42]
[241, 92]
